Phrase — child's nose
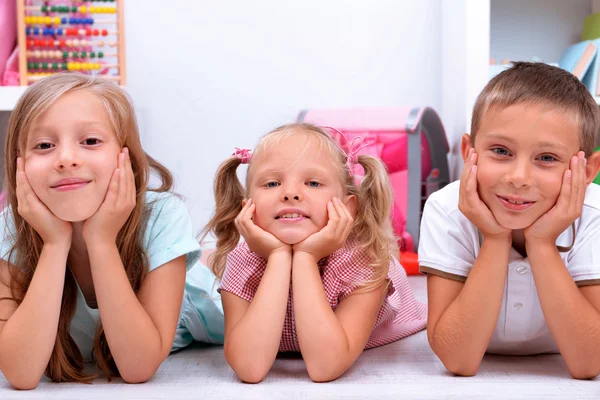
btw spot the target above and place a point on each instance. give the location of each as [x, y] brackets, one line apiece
[520, 174]
[67, 158]
[291, 194]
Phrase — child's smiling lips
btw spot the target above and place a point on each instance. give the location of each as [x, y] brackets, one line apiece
[515, 203]
[291, 214]
[70, 184]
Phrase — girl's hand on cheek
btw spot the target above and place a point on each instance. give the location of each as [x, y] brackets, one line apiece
[568, 206]
[105, 224]
[470, 204]
[52, 229]
[332, 236]
[259, 241]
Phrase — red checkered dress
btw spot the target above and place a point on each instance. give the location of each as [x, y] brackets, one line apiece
[342, 272]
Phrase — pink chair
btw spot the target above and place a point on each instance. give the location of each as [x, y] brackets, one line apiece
[410, 141]
[8, 32]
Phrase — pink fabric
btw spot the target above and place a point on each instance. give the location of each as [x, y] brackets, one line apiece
[342, 272]
[11, 74]
[243, 154]
[8, 31]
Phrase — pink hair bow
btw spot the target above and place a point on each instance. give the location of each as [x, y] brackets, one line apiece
[352, 147]
[243, 154]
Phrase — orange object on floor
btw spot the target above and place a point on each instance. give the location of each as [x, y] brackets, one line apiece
[410, 262]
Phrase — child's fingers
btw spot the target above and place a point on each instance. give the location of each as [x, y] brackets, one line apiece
[334, 217]
[25, 187]
[344, 217]
[113, 187]
[131, 189]
[122, 188]
[471, 184]
[349, 219]
[566, 189]
[577, 183]
[467, 169]
[243, 213]
[243, 218]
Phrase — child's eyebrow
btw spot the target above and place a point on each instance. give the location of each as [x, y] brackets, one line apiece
[311, 170]
[84, 123]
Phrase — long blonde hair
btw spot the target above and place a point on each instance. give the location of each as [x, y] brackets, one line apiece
[66, 361]
[372, 228]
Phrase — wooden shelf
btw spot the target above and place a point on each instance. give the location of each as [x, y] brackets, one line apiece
[9, 95]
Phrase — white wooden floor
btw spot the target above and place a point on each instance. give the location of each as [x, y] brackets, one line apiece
[403, 370]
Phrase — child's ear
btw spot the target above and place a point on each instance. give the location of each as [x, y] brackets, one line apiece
[592, 167]
[465, 145]
[350, 203]
[244, 203]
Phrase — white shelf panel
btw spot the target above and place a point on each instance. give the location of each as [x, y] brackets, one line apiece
[9, 95]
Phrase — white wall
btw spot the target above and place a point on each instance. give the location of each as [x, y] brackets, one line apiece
[217, 75]
[521, 29]
[464, 68]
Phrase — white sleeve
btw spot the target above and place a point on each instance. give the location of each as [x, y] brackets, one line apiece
[583, 261]
[448, 243]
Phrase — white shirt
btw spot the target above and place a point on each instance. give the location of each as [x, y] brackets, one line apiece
[449, 244]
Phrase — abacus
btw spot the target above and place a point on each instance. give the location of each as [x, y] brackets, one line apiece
[63, 35]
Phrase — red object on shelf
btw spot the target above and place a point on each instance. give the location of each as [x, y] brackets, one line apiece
[410, 262]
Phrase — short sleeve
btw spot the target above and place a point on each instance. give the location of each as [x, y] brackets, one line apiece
[583, 261]
[448, 244]
[7, 234]
[347, 270]
[243, 272]
[169, 232]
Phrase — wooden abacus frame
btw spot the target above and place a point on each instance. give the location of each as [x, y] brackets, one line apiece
[26, 78]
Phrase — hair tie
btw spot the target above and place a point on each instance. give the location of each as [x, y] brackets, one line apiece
[243, 154]
[353, 147]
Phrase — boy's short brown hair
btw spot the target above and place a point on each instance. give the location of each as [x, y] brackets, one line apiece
[534, 83]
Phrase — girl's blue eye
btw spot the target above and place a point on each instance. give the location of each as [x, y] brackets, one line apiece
[314, 184]
[272, 184]
[547, 158]
[44, 146]
[501, 151]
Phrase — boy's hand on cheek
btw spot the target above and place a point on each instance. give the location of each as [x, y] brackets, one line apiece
[568, 206]
[470, 203]
[332, 236]
[52, 229]
[259, 241]
[120, 199]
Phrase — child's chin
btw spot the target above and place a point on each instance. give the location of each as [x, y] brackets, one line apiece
[72, 214]
[515, 223]
[292, 238]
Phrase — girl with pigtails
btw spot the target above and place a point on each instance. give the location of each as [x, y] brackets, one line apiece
[317, 271]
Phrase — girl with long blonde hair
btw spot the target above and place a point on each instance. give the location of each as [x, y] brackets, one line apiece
[317, 272]
[92, 261]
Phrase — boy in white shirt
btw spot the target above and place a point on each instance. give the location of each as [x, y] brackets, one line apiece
[523, 225]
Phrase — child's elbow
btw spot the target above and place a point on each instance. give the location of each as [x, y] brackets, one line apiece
[248, 372]
[139, 375]
[584, 372]
[461, 366]
[251, 376]
[23, 382]
[322, 376]
[320, 373]
[466, 369]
